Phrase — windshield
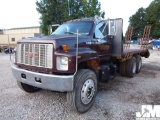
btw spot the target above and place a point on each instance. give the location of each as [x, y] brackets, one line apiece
[83, 27]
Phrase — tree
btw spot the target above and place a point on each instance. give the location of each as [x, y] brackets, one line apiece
[153, 18]
[148, 16]
[138, 21]
[52, 12]
[59, 11]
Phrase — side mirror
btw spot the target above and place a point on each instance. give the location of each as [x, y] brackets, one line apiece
[111, 27]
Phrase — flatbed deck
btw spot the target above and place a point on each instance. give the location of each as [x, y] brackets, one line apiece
[131, 51]
[142, 52]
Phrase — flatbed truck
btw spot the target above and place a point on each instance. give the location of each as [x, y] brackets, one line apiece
[75, 58]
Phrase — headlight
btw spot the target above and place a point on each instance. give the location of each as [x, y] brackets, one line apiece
[62, 63]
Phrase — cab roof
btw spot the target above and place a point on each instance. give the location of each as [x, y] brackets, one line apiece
[94, 19]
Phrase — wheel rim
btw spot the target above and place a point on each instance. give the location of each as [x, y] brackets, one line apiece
[134, 67]
[87, 91]
[140, 64]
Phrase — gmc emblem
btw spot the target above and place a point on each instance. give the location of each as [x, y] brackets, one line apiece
[31, 54]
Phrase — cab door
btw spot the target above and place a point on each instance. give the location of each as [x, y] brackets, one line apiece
[100, 43]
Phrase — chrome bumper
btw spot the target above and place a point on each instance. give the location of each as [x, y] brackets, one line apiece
[60, 83]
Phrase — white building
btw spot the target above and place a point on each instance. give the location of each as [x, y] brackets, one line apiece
[15, 34]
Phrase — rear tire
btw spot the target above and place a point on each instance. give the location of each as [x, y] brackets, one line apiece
[131, 67]
[85, 90]
[27, 88]
[138, 63]
[122, 68]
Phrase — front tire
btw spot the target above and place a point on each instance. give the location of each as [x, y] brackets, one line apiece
[85, 90]
[27, 88]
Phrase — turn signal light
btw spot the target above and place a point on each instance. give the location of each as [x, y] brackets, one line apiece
[65, 47]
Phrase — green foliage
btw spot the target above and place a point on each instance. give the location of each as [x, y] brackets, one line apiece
[59, 11]
[153, 18]
[138, 21]
[148, 16]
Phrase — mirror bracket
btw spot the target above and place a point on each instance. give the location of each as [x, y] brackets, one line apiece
[111, 28]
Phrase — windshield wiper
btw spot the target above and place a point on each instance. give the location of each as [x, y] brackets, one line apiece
[71, 33]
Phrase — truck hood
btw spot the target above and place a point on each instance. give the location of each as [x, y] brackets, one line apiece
[53, 37]
[57, 40]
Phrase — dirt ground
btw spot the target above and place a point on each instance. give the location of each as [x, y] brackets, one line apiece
[119, 99]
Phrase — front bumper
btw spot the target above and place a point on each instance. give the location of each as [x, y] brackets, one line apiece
[53, 82]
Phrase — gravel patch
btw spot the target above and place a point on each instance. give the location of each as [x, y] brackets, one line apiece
[118, 99]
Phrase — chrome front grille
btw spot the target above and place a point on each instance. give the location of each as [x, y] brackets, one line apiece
[39, 55]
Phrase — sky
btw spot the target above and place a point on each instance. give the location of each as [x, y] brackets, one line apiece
[122, 9]
[22, 13]
[18, 13]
